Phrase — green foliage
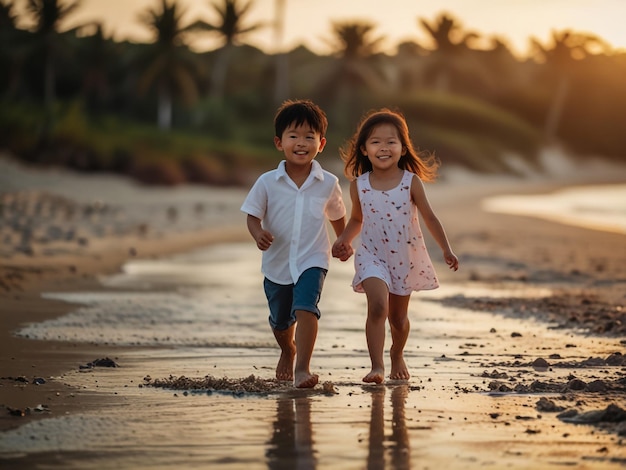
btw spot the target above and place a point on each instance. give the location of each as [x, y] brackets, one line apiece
[482, 154]
[90, 102]
[109, 143]
[487, 125]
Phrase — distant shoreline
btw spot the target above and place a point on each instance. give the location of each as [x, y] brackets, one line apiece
[597, 207]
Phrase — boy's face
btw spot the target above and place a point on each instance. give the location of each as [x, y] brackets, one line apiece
[300, 144]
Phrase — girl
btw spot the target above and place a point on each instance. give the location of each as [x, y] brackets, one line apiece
[391, 260]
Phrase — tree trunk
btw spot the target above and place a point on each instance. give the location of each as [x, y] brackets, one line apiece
[556, 109]
[220, 70]
[49, 83]
[165, 109]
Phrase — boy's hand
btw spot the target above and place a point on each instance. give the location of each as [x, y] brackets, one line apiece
[264, 240]
[342, 250]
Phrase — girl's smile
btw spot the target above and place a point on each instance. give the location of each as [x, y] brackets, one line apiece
[383, 146]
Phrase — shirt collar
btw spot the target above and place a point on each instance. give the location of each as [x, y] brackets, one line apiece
[316, 170]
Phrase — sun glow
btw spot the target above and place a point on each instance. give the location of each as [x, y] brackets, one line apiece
[310, 23]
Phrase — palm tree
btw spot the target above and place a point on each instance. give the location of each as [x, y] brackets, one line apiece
[354, 46]
[451, 41]
[230, 27]
[561, 58]
[48, 15]
[97, 56]
[447, 33]
[168, 64]
[281, 83]
[12, 51]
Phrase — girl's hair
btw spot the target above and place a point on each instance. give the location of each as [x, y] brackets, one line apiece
[299, 112]
[423, 164]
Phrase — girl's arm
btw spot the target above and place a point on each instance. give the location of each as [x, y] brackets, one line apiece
[418, 195]
[342, 248]
[262, 237]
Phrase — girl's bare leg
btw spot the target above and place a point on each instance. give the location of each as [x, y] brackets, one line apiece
[285, 339]
[400, 327]
[377, 308]
[306, 334]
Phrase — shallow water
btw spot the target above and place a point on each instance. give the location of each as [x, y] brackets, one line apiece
[204, 313]
[601, 207]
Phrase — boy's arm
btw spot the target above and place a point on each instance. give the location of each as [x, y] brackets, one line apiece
[342, 248]
[262, 237]
[338, 225]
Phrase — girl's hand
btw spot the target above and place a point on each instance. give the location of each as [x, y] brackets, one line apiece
[264, 240]
[451, 260]
[342, 250]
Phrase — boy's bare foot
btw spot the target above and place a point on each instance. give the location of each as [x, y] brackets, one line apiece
[376, 376]
[305, 380]
[284, 369]
[399, 370]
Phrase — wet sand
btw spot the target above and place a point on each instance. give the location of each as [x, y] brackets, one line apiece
[502, 359]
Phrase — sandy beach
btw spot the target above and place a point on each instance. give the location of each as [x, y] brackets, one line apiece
[517, 361]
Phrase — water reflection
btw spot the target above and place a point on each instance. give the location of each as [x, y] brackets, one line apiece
[399, 448]
[291, 444]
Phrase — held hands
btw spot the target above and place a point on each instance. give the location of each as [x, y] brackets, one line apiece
[342, 250]
[264, 240]
[451, 260]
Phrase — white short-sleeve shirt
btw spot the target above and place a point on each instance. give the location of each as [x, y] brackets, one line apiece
[296, 217]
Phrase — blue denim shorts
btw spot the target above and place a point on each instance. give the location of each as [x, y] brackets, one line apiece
[284, 300]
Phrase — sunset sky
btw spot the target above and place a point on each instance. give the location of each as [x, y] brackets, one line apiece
[309, 22]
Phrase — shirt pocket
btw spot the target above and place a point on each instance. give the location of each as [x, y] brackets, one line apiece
[317, 207]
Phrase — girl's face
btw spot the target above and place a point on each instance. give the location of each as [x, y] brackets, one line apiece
[383, 147]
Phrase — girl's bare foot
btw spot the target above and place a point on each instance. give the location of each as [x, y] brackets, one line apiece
[399, 370]
[305, 380]
[376, 376]
[284, 369]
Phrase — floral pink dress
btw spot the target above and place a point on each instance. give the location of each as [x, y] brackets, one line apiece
[391, 244]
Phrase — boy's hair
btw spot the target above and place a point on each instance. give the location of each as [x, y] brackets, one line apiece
[423, 164]
[299, 112]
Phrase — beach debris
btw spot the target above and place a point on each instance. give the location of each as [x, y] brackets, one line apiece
[236, 386]
[329, 388]
[250, 384]
[104, 362]
[540, 363]
[614, 359]
[611, 414]
[495, 374]
[566, 309]
[39, 381]
[16, 411]
[21, 412]
[574, 385]
[547, 405]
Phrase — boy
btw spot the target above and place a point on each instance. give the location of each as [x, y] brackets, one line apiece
[287, 210]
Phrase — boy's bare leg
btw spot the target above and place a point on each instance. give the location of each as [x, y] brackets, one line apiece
[377, 307]
[400, 327]
[306, 334]
[284, 338]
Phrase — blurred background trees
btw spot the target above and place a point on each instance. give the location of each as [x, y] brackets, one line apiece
[165, 113]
